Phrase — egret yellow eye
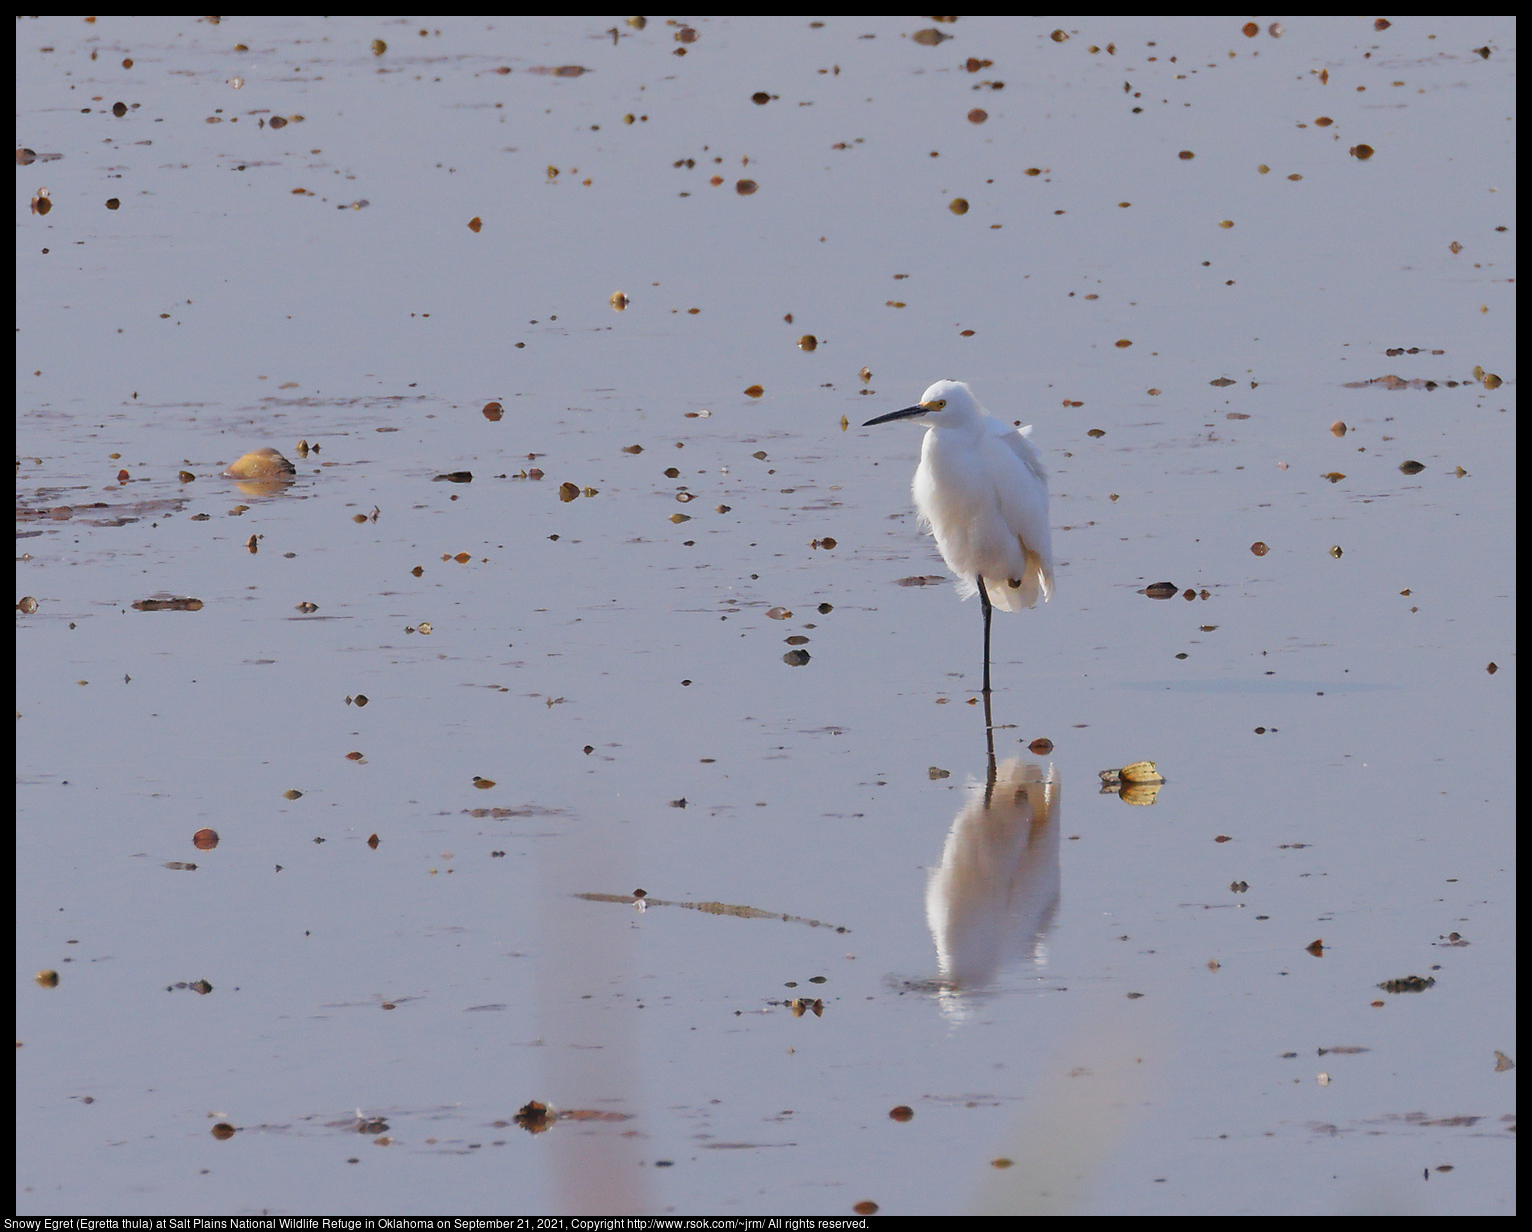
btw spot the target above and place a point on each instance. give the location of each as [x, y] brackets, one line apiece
[935, 404]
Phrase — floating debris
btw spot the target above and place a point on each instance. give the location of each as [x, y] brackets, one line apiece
[1138, 783]
[1391, 381]
[537, 1117]
[201, 987]
[1410, 983]
[261, 464]
[360, 1124]
[744, 913]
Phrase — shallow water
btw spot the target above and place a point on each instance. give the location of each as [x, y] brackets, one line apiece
[1041, 972]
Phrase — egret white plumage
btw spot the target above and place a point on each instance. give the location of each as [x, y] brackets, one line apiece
[983, 493]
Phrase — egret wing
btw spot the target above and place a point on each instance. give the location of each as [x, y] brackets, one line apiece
[1024, 500]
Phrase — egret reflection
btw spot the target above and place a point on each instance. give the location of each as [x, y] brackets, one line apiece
[990, 903]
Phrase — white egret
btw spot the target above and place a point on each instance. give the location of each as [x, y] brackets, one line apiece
[983, 494]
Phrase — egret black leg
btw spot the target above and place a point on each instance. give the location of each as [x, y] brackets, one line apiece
[989, 745]
[988, 609]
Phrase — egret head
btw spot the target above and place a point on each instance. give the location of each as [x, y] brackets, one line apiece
[947, 404]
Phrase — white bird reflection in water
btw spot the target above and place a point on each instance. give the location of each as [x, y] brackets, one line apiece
[990, 903]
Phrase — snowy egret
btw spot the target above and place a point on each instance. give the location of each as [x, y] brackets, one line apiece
[983, 494]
